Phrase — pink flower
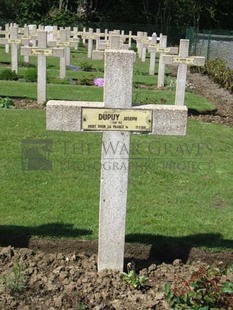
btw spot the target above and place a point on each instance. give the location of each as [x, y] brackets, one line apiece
[99, 82]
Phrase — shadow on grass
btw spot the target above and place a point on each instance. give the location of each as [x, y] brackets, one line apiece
[144, 249]
[19, 236]
[167, 249]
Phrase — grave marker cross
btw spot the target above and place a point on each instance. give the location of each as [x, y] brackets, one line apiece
[163, 50]
[78, 116]
[182, 61]
[42, 51]
[113, 192]
[14, 41]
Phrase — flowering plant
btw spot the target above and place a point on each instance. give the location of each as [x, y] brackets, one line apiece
[99, 82]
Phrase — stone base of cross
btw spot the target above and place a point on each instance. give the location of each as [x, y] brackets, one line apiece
[117, 119]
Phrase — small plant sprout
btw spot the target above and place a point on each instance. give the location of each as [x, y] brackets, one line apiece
[132, 278]
[14, 281]
[6, 103]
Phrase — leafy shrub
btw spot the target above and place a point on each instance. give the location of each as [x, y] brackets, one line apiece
[30, 75]
[217, 71]
[204, 290]
[86, 66]
[7, 74]
[26, 64]
[85, 81]
[6, 103]
[62, 18]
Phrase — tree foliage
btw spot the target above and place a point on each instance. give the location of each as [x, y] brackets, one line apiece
[163, 13]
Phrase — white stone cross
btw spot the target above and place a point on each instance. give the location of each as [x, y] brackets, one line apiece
[152, 51]
[116, 41]
[139, 44]
[145, 44]
[14, 41]
[75, 34]
[90, 37]
[7, 35]
[163, 50]
[27, 37]
[116, 118]
[65, 41]
[182, 61]
[42, 51]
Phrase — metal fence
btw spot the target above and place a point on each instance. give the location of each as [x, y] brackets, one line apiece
[212, 44]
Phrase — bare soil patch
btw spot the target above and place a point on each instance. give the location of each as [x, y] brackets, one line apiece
[62, 274]
[221, 98]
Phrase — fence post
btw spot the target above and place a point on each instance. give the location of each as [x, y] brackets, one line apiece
[208, 46]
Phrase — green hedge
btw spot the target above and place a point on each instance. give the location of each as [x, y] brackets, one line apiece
[219, 72]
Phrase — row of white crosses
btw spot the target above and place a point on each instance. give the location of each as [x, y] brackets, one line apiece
[42, 52]
[56, 38]
[105, 41]
[56, 48]
[115, 42]
[154, 45]
[111, 117]
[12, 38]
[168, 55]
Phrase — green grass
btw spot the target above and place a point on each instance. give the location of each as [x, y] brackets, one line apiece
[93, 93]
[180, 188]
[144, 91]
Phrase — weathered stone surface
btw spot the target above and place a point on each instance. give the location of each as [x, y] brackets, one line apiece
[168, 119]
[66, 115]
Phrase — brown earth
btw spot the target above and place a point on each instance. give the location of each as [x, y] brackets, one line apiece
[220, 97]
[62, 274]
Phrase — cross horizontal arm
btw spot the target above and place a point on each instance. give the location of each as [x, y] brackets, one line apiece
[177, 60]
[67, 116]
[35, 51]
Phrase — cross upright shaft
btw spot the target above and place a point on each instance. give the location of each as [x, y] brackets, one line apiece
[114, 183]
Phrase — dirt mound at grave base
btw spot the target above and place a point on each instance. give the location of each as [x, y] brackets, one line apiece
[28, 104]
[221, 98]
[64, 278]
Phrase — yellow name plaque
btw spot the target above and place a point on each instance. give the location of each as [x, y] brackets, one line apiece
[180, 60]
[14, 41]
[95, 119]
[63, 44]
[41, 51]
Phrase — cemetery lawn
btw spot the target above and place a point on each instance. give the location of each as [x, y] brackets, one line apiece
[179, 213]
[180, 188]
[179, 201]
